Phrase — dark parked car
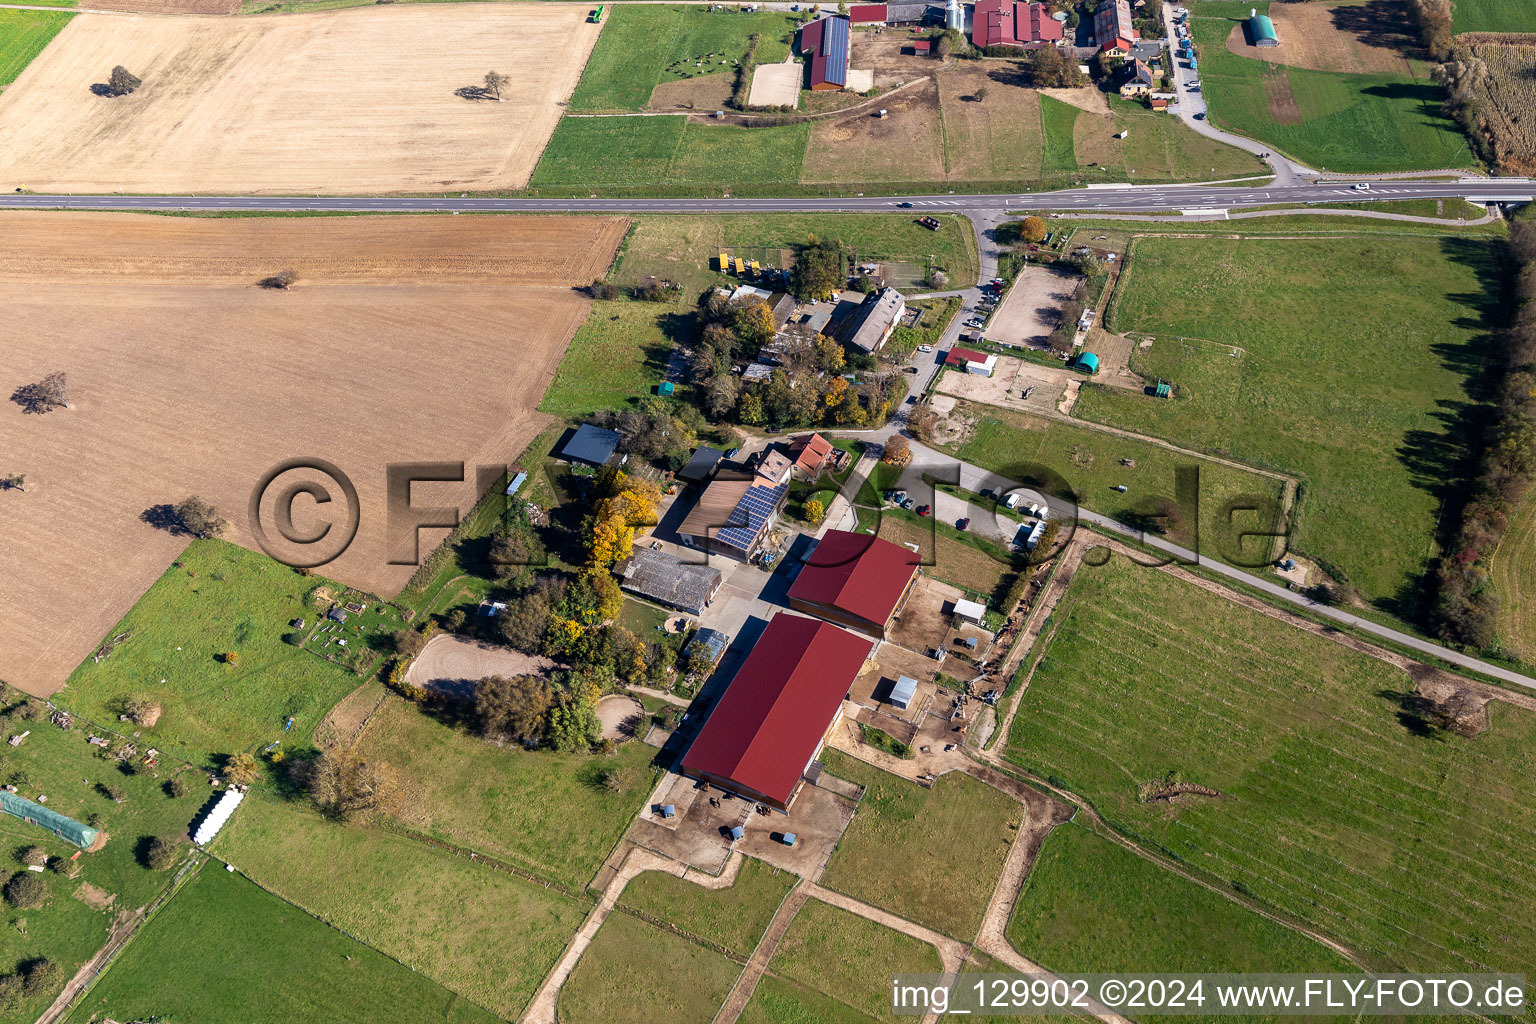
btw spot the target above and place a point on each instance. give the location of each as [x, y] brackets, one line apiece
[962, 524]
[923, 510]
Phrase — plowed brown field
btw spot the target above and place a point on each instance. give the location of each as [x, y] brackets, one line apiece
[331, 102]
[168, 6]
[404, 339]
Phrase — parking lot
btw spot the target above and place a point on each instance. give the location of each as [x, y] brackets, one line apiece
[1032, 307]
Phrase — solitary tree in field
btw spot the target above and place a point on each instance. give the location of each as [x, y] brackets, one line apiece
[980, 94]
[161, 852]
[241, 770]
[200, 519]
[494, 80]
[52, 392]
[279, 281]
[26, 891]
[341, 783]
[123, 81]
[17, 481]
[41, 975]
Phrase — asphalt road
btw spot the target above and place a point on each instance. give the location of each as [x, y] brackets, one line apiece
[935, 465]
[1140, 198]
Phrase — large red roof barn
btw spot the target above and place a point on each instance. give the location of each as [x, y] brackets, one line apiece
[775, 715]
[855, 580]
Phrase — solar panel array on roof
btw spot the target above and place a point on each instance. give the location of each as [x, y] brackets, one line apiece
[751, 514]
[829, 65]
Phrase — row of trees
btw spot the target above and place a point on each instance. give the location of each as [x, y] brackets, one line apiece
[1467, 604]
[1433, 18]
[560, 713]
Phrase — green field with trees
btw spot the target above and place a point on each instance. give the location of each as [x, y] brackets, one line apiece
[23, 34]
[1089, 904]
[142, 808]
[644, 45]
[487, 935]
[618, 356]
[220, 599]
[1369, 123]
[555, 814]
[222, 949]
[681, 247]
[1354, 369]
[1413, 858]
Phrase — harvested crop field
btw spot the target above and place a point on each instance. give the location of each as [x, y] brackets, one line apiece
[341, 101]
[1506, 101]
[169, 6]
[907, 145]
[1356, 38]
[167, 404]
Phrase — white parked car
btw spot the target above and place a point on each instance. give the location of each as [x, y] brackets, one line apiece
[925, 348]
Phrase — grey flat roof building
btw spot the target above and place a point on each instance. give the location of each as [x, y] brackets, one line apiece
[592, 445]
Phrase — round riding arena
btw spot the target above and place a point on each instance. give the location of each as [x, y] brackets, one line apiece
[620, 716]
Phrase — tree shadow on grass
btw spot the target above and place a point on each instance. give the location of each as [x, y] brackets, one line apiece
[1379, 23]
[1443, 460]
[1410, 715]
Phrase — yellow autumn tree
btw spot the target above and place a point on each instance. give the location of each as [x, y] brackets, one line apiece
[611, 540]
[836, 388]
[815, 512]
[630, 503]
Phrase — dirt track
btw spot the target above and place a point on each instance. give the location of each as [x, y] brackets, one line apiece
[331, 102]
[451, 663]
[405, 339]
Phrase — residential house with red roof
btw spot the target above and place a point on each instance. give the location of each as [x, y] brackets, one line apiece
[810, 452]
[1112, 31]
[1012, 23]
